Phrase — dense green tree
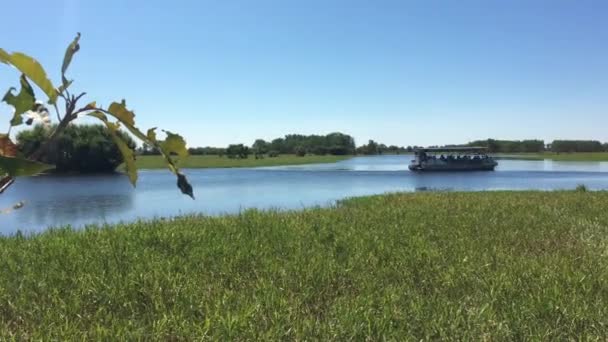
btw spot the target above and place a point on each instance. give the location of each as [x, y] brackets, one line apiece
[278, 145]
[237, 151]
[78, 148]
[369, 149]
[260, 147]
[340, 144]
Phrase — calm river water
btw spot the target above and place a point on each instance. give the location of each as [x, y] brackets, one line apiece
[82, 200]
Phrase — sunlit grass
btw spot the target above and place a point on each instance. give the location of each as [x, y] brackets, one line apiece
[462, 266]
[213, 161]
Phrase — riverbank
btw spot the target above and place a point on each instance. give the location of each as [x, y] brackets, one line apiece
[214, 161]
[486, 265]
[576, 156]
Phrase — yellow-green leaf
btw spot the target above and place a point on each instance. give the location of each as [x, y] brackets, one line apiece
[67, 59]
[91, 105]
[22, 102]
[152, 134]
[16, 167]
[128, 154]
[34, 71]
[127, 118]
[101, 116]
[120, 111]
[174, 144]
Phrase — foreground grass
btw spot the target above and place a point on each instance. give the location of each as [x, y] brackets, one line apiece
[464, 266]
[578, 156]
[211, 161]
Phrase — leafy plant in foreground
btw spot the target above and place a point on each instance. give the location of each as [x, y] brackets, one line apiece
[116, 115]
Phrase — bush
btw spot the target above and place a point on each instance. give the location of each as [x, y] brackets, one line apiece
[79, 148]
[300, 151]
[273, 154]
[239, 151]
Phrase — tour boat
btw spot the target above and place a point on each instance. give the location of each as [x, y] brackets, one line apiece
[452, 159]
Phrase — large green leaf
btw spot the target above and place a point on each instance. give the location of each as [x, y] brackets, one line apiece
[174, 143]
[120, 111]
[16, 167]
[34, 71]
[22, 102]
[151, 134]
[127, 153]
[67, 59]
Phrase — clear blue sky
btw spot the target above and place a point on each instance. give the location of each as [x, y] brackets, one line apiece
[400, 72]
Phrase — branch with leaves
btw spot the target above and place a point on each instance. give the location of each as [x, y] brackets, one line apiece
[115, 116]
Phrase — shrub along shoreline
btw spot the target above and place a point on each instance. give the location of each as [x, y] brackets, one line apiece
[480, 265]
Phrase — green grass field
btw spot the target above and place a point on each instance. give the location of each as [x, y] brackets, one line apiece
[212, 161]
[460, 266]
[578, 156]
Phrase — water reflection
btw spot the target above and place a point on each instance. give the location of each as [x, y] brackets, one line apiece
[65, 200]
[72, 200]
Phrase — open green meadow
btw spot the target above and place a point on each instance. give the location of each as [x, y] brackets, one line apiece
[214, 161]
[462, 266]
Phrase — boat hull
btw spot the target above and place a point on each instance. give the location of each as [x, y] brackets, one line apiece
[456, 167]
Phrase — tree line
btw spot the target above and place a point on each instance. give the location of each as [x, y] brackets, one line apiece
[334, 143]
[331, 144]
[537, 146]
[344, 144]
[91, 148]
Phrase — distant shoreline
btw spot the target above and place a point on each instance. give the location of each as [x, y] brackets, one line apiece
[214, 161]
[574, 156]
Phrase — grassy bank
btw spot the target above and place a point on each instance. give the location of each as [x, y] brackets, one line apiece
[212, 161]
[578, 156]
[464, 266]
